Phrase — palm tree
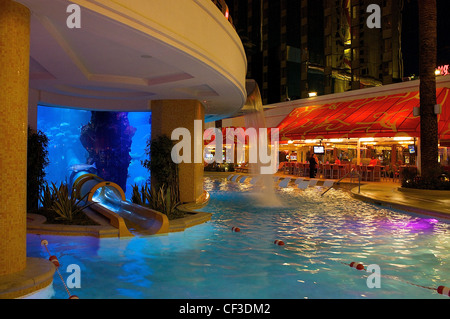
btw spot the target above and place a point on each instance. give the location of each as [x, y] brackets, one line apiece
[427, 66]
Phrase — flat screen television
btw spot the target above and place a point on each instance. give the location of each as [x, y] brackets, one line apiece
[412, 149]
[319, 150]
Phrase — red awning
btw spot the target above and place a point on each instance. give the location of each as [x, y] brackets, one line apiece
[385, 116]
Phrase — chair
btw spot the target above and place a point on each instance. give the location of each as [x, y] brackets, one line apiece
[320, 170]
[396, 173]
[284, 182]
[287, 168]
[328, 183]
[234, 178]
[335, 171]
[298, 180]
[297, 169]
[376, 174]
[243, 179]
[230, 176]
[363, 172]
[306, 170]
[303, 184]
[313, 182]
[369, 173]
[327, 171]
[255, 179]
[343, 169]
[385, 173]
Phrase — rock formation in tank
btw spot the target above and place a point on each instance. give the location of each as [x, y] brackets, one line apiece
[107, 138]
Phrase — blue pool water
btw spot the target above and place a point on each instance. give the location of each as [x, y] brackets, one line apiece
[322, 236]
[63, 128]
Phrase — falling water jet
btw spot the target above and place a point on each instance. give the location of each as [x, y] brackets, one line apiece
[264, 193]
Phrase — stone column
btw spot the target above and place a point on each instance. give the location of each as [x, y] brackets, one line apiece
[14, 77]
[168, 115]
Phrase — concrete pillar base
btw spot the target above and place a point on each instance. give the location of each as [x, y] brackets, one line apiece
[37, 275]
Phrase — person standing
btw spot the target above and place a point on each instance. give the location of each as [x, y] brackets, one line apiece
[313, 163]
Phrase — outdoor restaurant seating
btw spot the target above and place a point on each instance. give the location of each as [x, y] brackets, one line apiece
[372, 173]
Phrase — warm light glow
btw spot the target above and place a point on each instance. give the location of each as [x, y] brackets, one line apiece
[312, 94]
[367, 139]
[336, 140]
[437, 72]
[402, 138]
[310, 141]
[290, 142]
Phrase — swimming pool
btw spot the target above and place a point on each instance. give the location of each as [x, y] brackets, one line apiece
[322, 235]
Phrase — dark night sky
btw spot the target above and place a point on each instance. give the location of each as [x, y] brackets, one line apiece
[410, 35]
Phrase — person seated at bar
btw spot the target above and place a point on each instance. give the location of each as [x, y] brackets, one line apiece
[373, 161]
[337, 161]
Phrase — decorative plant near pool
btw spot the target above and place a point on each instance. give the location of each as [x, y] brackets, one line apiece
[163, 171]
[163, 200]
[63, 203]
[47, 197]
[37, 160]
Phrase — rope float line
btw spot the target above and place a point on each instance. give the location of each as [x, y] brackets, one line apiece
[442, 290]
[55, 262]
[278, 242]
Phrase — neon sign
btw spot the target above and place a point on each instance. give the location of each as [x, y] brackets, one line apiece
[442, 70]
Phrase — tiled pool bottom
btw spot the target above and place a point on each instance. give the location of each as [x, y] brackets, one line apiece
[321, 235]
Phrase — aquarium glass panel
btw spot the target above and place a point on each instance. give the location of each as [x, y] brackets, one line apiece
[96, 142]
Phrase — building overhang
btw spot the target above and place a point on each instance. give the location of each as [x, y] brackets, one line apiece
[127, 53]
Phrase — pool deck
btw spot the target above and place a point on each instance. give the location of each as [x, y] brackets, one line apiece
[386, 193]
[392, 195]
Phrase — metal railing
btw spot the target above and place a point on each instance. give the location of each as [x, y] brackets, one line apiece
[223, 7]
[351, 172]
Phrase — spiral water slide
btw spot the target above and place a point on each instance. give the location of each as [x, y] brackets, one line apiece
[108, 199]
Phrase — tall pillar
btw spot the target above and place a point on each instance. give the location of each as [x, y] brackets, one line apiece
[418, 156]
[358, 152]
[14, 76]
[168, 115]
[394, 154]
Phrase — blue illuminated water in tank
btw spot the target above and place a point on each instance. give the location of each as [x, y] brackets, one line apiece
[63, 127]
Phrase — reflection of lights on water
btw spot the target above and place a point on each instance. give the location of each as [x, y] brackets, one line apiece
[420, 223]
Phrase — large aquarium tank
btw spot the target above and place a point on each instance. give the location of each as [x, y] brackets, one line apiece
[108, 144]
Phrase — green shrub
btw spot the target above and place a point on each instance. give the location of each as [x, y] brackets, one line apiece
[37, 160]
[163, 200]
[66, 205]
[164, 172]
[47, 197]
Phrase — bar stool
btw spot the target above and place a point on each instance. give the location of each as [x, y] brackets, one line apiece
[327, 171]
[335, 171]
[376, 173]
[396, 173]
[363, 172]
[306, 170]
